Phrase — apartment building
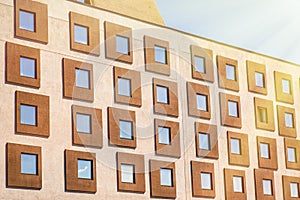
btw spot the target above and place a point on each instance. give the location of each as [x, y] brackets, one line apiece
[101, 100]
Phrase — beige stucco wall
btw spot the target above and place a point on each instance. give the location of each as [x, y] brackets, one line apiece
[60, 123]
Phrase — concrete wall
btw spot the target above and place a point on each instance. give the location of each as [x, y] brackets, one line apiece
[60, 123]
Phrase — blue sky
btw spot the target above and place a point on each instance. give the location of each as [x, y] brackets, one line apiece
[271, 27]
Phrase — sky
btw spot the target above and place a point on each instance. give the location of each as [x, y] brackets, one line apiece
[270, 27]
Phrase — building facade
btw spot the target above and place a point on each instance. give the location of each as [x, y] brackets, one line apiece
[102, 101]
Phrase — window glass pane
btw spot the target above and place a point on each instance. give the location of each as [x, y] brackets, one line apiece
[286, 86]
[204, 141]
[127, 173]
[230, 72]
[199, 63]
[264, 150]
[288, 120]
[83, 123]
[28, 115]
[122, 45]
[267, 187]
[85, 169]
[82, 78]
[291, 154]
[27, 21]
[126, 130]
[81, 1]
[160, 54]
[294, 189]
[27, 67]
[164, 135]
[162, 94]
[237, 184]
[259, 79]
[81, 34]
[232, 109]
[263, 115]
[201, 102]
[166, 177]
[124, 87]
[206, 181]
[235, 146]
[28, 164]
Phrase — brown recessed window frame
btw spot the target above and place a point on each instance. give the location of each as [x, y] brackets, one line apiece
[137, 161]
[201, 92]
[75, 183]
[209, 131]
[113, 32]
[228, 119]
[94, 137]
[42, 114]
[260, 176]
[115, 116]
[205, 57]
[225, 82]
[158, 190]
[92, 45]
[133, 95]
[15, 177]
[163, 147]
[230, 193]
[286, 121]
[284, 87]
[264, 114]
[292, 145]
[13, 72]
[170, 106]
[267, 160]
[286, 183]
[241, 156]
[257, 80]
[40, 21]
[70, 89]
[151, 65]
[197, 169]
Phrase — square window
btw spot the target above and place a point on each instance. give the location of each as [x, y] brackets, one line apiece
[122, 45]
[162, 94]
[82, 78]
[259, 79]
[201, 102]
[288, 120]
[206, 181]
[204, 141]
[264, 150]
[126, 130]
[124, 87]
[127, 173]
[294, 190]
[83, 123]
[164, 135]
[85, 169]
[28, 164]
[27, 67]
[27, 21]
[166, 177]
[199, 63]
[232, 109]
[291, 154]
[267, 187]
[160, 54]
[238, 184]
[28, 114]
[286, 86]
[235, 145]
[263, 115]
[81, 34]
[230, 72]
